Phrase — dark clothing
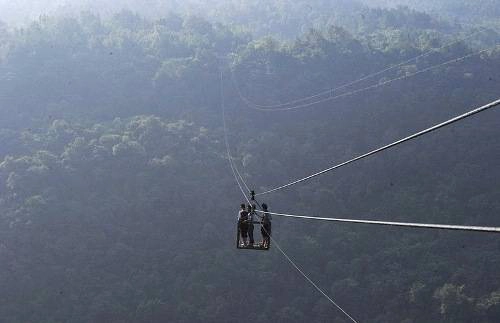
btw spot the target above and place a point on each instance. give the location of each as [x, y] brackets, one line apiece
[244, 229]
[266, 230]
[251, 218]
[242, 215]
[266, 224]
[242, 223]
[250, 232]
[266, 218]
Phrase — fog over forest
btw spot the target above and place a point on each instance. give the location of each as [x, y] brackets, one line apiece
[23, 11]
[131, 132]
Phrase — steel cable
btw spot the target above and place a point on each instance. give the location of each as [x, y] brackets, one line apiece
[329, 91]
[398, 142]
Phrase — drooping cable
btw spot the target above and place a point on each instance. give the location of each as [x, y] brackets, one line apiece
[234, 169]
[241, 178]
[309, 279]
[371, 87]
[229, 158]
[375, 151]
[332, 90]
[400, 224]
[246, 197]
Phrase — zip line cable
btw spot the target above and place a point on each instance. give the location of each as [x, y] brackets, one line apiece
[373, 86]
[290, 260]
[229, 158]
[275, 243]
[310, 281]
[241, 178]
[239, 185]
[329, 91]
[375, 151]
[234, 171]
[400, 224]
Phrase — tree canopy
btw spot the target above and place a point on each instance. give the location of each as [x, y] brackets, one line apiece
[117, 203]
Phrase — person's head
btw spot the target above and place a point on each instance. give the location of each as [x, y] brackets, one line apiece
[253, 207]
[249, 208]
[264, 206]
[242, 206]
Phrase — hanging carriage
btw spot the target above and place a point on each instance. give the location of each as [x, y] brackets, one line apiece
[254, 246]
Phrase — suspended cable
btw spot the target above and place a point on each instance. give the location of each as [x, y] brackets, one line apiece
[400, 224]
[231, 162]
[388, 68]
[374, 86]
[418, 134]
[226, 139]
[309, 279]
[241, 178]
[234, 170]
[236, 179]
[276, 244]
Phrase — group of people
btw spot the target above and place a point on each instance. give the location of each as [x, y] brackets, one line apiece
[246, 221]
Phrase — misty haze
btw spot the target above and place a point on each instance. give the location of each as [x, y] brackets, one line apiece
[218, 161]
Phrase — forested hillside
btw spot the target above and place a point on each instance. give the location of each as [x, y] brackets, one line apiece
[280, 18]
[457, 9]
[117, 202]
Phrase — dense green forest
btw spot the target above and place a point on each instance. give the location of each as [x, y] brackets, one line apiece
[279, 18]
[117, 202]
[456, 9]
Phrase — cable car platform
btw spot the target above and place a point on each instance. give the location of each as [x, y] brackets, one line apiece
[254, 246]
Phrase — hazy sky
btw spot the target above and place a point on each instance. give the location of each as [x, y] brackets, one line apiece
[21, 11]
